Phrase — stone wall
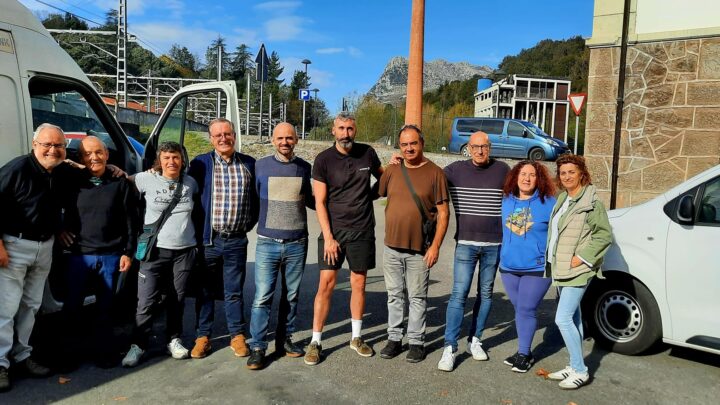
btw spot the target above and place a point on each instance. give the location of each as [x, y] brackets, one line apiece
[671, 117]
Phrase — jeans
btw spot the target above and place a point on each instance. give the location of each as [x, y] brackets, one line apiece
[406, 270]
[569, 321]
[21, 288]
[273, 258]
[230, 256]
[98, 272]
[165, 275]
[525, 292]
[466, 258]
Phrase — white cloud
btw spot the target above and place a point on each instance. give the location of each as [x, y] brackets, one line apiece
[278, 6]
[284, 28]
[164, 35]
[350, 50]
[329, 51]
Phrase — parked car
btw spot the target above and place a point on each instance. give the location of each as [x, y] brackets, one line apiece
[510, 138]
[662, 272]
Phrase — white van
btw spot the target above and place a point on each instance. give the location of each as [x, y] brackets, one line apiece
[40, 82]
[663, 272]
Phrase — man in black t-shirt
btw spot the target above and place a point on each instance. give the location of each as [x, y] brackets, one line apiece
[343, 200]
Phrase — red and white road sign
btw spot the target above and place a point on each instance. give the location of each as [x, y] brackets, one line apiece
[577, 101]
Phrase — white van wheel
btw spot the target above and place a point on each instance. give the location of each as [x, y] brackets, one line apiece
[465, 151]
[536, 154]
[622, 315]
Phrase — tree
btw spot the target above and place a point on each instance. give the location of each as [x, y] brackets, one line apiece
[183, 57]
[211, 54]
[275, 70]
[64, 22]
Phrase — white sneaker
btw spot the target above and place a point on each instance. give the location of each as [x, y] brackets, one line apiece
[474, 347]
[560, 375]
[447, 361]
[574, 381]
[133, 356]
[177, 350]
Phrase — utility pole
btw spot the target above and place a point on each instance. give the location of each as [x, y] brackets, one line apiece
[121, 81]
[219, 75]
[305, 62]
[247, 106]
[270, 116]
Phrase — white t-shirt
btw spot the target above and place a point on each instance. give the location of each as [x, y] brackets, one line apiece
[178, 232]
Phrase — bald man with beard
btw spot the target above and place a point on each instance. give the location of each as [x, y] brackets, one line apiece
[282, 182]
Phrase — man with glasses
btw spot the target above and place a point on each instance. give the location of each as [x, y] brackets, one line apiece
[476, 187]
[30, 191]
[230, 205]
[410, 250]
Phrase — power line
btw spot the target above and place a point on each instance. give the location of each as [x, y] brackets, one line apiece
[65, 11]
[80, 8]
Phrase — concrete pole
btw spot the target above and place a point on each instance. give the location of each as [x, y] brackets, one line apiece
[413, 106]
[247, 107]
[219, 76]
[270, 117]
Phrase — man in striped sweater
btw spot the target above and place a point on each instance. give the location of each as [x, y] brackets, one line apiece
[476, 190]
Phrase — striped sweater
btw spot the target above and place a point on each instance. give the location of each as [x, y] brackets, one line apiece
[476, 193]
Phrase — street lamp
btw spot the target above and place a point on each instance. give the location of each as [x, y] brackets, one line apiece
[305, 62]
[315, 107]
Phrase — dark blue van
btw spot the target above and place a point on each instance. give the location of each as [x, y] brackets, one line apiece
[509, 138]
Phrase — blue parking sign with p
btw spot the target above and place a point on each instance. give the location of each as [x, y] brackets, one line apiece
[304, 94]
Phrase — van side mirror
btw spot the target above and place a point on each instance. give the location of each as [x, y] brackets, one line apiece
[525, 133]
[686, 210]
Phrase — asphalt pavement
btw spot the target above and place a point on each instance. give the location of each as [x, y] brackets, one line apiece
[665, 376]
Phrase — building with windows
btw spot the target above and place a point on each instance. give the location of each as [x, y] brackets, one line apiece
[671, 115]
[540, 100]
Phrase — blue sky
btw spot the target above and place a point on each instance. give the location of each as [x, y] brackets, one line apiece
[348, 42]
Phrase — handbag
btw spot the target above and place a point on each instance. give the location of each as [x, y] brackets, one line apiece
[428, 225]
[147, 239]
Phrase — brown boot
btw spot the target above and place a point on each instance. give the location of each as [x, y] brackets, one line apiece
[202, 348]
[239, 347]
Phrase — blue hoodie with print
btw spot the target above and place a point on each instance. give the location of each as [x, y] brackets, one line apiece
[525, 228]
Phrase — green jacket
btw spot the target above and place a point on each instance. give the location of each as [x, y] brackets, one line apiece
[584, 230]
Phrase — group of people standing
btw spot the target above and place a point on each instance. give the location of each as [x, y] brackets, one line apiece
[514, 221]
[199, 214]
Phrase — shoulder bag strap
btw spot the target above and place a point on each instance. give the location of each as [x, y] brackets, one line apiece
[173, 203]
[412, 191]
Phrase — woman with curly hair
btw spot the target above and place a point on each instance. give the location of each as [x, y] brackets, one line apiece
[578, 237]
[528, 199]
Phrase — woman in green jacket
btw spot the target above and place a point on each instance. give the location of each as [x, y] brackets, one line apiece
[578, 237]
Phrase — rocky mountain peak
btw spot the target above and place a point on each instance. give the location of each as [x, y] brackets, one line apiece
[391, 86]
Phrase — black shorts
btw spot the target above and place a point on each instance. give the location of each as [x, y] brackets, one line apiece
[357, 246]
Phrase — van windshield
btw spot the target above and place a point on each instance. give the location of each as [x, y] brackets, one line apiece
[535, 129]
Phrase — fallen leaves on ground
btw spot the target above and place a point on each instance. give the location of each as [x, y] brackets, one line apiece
[63, 380]
[120, 399]
[444, 393]
[543, 373]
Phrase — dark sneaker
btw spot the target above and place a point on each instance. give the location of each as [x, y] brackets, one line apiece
[33, 369]
[523, 363]
[391, 350]
[288, 348]
[510, 361]
[416, 354]
[4, 380]
[314, 351]
[257, 359]
[361, 348]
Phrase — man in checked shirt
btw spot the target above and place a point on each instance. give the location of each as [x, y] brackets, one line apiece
[226, 179]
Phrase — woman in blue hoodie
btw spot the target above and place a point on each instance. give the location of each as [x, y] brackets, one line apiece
[528, 200]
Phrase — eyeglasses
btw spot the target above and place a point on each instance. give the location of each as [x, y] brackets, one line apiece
[483, 147]
[219, 136]
[48, 146]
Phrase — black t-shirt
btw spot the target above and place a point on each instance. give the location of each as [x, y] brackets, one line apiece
[349, 199]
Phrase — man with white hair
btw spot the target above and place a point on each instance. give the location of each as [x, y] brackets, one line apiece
[29, 187]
